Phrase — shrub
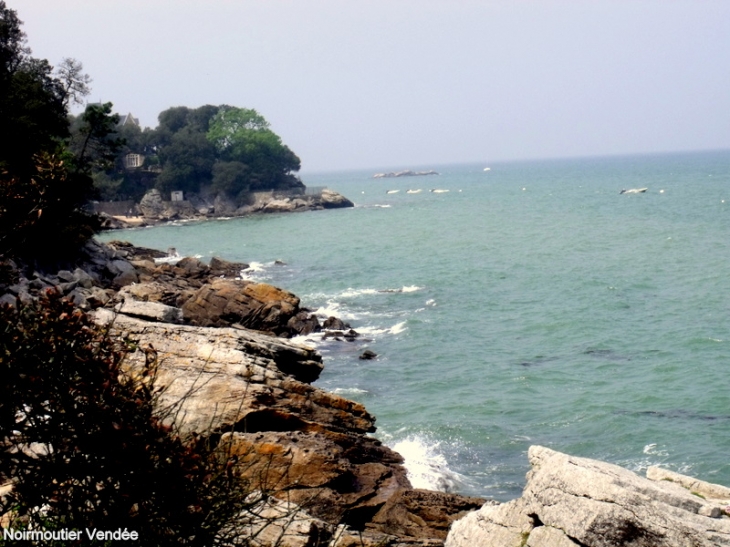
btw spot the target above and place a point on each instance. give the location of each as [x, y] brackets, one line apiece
[81, 442]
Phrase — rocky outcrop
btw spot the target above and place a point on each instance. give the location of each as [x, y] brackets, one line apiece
[570, 501]
[406, 173]
[290, 439]
[153, 209]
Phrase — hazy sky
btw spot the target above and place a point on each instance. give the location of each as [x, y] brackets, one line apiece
[407, 83]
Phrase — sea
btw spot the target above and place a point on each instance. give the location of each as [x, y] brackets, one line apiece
[514, 304]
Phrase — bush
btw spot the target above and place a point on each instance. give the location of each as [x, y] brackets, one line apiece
[81, 442]
[42, 215]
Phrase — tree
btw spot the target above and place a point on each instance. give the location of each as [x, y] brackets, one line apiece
[75, 83]
[32, 111]
[43, 194]
[94, 140]
[243, 135]
[186, 162]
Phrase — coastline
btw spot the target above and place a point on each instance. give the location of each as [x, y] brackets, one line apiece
[332, 478]
[153, 210]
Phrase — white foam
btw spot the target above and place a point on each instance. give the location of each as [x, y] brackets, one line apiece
[398, 328]
[426, 466]
[349, 391]
[411, 288]
[351, 293]
[430, 302]
[334, 309]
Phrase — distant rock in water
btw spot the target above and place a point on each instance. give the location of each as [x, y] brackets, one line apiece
[406, 173]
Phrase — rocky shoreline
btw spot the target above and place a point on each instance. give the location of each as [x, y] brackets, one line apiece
[153, 209]
[230, 374]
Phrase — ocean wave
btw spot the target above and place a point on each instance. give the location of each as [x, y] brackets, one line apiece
[353, 293]
[349, 391]
[427, 466]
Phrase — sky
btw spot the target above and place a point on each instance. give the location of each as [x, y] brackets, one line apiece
[357, 84]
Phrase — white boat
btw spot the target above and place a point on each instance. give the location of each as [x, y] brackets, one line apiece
[414, 191]
[439, 191]
[392, 191]
[634, 191]
[487, 168]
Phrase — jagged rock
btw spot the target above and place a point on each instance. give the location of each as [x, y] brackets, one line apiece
[304, 323]
[258, 306]
[220, 267]
[571, 501]
[368, 355]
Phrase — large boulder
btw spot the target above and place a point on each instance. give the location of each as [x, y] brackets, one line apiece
[151, 205]
[570, 501]
[258, 306]
[332, 200]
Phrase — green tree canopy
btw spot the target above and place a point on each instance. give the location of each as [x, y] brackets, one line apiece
[243, 135]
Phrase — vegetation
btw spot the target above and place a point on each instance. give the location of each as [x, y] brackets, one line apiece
[82, 444]
[218, 149]
[43, 186]
[80, 438]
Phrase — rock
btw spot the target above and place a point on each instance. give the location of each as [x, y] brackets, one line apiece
[258, 306]
[219, 267]
[82, 278]
[368, 355]
[332, 200]
[151, 205]
[123, 271]
[304, 323]
[284, 205]
[154, 311]
[572, 501]
[270, 522]
[289, 439]
[223, 206]
[190, 267]
[333, 323]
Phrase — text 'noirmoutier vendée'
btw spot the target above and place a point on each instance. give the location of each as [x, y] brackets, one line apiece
[73, 535]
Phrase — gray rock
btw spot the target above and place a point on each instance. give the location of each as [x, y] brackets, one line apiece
[83, 278]
[154, 311]
[151, 206]
[572, 501]
[66, 276]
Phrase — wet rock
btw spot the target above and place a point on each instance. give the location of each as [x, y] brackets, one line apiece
[333, 323]
[220, 267]
[304, 323]
[368, 355]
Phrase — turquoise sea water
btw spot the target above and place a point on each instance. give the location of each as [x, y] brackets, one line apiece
[530, 304]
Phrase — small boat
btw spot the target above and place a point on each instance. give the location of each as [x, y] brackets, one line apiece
[414, 191]
[392, 191]
[487, 168]
[634, 191]
[438, 191]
